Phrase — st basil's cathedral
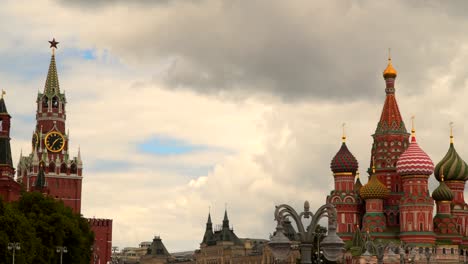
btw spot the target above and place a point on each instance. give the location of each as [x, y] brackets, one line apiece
[396, 203]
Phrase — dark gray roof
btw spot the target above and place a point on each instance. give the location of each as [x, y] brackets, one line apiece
[157, 248]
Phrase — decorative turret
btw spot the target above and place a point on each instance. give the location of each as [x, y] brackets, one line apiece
[416, 205]
[390, 140]
[455, 172]
[374, 189]
[452, 166]
[9, 188]
[358, 184]
[414, 161]
[374, 192]
[41, 185]
[225, 220]
[389, 72]
[345, 196]
[442, 192]
[444, 223]
[344, 161]
[208, 237]
[6, 164]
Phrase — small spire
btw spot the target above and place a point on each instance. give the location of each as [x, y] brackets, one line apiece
[3, 93]
[343, 138]
[413, 131]
[451, 132]
[357, 175]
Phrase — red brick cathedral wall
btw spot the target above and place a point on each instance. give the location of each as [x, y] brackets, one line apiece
[102, 248]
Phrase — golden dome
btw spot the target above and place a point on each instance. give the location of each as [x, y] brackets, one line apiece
[389, 72]
[374, 189]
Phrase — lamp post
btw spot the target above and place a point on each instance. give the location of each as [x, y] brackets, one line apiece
[13, 246]
[115, 258]
[332, 245]
[61, 250]
[95, 250]
[428, 254]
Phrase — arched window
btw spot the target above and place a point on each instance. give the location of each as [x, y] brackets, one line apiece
[55, 102]
[63, 168]
[45, 103]
[52, 167]
[73, 169]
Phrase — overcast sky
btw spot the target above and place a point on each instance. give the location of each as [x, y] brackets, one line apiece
[183, 105]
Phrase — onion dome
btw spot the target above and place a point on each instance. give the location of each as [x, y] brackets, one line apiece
[452, 166]
[374, 189]
[414, 161]
[443, 192]
[344, 160]
[357, 184]
[389, 72]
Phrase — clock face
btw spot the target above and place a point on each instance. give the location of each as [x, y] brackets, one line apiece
[35, 140]
[54, 141]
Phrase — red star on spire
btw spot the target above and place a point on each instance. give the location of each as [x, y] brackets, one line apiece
[53, 43]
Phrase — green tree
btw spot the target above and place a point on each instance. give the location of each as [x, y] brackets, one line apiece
[41, 224]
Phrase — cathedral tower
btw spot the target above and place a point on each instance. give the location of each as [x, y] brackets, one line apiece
[390, 141]
[9, 188]
[345, 197]
[455, 172]
[374, 193]
[50, 145]
[416, 205]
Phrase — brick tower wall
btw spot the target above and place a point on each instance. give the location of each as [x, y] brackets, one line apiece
[102, 249]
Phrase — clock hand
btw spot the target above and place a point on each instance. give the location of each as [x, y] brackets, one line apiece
[55, 141]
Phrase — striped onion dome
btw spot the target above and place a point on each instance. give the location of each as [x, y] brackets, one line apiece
[414, 161]
[374, 189]
[442, 193]
[344, 161]
[452, 166]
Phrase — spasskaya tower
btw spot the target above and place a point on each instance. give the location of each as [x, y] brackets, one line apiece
[50, 146]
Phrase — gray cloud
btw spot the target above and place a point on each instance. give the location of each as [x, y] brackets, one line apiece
[92, 4]
[330, 50]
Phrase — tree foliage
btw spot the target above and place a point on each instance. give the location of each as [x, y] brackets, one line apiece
[40, 224]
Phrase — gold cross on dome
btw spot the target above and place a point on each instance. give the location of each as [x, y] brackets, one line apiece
[3, 93]
[344, 134]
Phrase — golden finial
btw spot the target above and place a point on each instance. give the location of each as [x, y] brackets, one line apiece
[3, 93]
[451, 132]
[343, 138]
[357, 174]
[389, 72]
[412, 125]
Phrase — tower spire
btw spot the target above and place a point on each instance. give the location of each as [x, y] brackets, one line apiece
[52, 84]
[225, 220]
